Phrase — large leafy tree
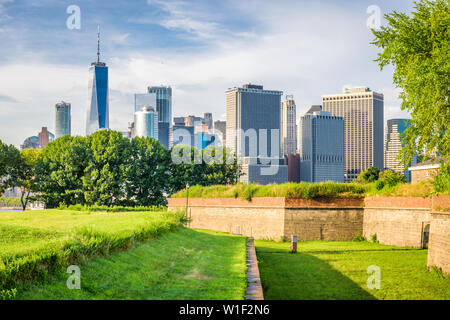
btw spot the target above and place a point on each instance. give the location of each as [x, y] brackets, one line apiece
[23, 174]
[418, 47]
[104, 181]
[147, 172]
[60, 171]
[9, 157]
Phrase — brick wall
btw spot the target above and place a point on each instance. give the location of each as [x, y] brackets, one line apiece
[323, 224]
[401, 227]
[439, 245]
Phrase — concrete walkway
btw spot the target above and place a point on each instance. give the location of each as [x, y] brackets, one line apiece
[254, 287]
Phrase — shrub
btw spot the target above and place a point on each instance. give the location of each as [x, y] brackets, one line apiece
[379, 185]
[392, 178]
[358, 237]
[373, 238]
[441, 180]
[370, 175]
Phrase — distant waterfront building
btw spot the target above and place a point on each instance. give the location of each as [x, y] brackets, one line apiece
[192, 121]
[98, 104]
[221, 126]
[288, 126]
[363, 112]
[208, 120]
[30, 143]
[62, 119]
[181, 135]
[178, 121]
[45, 137]
[163, 133]
[393, 147]
[322, 154]
[293, 163]
[146, 123]
[203, 139]
[144, 99]
[163, 102]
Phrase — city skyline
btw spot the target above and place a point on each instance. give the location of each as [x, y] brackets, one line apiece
[191, 60]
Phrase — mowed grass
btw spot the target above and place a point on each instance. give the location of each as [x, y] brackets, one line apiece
[338, 270]
[186, 264]
[34, 244]
[30, 232]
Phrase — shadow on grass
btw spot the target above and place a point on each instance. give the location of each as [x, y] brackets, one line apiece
[302, 276]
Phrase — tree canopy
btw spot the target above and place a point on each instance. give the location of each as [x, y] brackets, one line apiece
[418, 47]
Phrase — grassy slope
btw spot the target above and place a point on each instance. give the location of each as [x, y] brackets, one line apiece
[187, 264]
[32, 231]
[337, 270]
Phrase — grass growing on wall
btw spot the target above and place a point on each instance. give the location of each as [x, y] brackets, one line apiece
[290, 190]
[37, 243]
[338, 270]
[187, 264]
[306, 190]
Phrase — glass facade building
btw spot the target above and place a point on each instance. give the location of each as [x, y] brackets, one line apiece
[146, 123]
[163, 102]
[98, 104]
[98, 100]
[62, 119]
[322, 149]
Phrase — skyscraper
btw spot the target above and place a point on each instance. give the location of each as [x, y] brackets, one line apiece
[288, 126]
[253, 133]
[253, 108]
[45, 137]
[163, 102]
[98, 103]
[221, 126]
[62, 119]
[393, 146]
[146, 123]
[363, 111]
[322, 147]
[208, 120]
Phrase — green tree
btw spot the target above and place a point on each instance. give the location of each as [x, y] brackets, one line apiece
[370, 175]
[60, 170]
[104, 181]
[418, 47]
[23, 174]
[147, 172]
[9, 157]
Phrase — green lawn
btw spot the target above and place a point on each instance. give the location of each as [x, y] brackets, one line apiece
[187, 264]
[338, 270]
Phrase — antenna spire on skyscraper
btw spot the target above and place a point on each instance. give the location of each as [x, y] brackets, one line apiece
[98, 43]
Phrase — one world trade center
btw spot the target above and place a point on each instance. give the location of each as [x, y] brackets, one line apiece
[98, 96]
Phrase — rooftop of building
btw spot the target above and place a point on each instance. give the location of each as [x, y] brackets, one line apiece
[432, 163]
[254, 88]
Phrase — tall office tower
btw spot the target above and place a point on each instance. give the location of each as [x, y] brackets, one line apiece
[164, 134]
[253, 133]
[98, 103]
[130, 131]
[144, 99]
[393, 146]
[363, 112]
[62, 119]
[146, 123]
[208, 120]
[221, 126]
[322, 155]
[252, 107]
[163, 102]
[45, 137]
[288, 126]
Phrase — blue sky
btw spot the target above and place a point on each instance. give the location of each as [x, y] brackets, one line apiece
[200, 48]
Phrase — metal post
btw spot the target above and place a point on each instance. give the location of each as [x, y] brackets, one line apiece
[294, 244]
[187, 200]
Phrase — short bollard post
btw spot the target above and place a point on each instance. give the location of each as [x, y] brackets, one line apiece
[294, 244]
